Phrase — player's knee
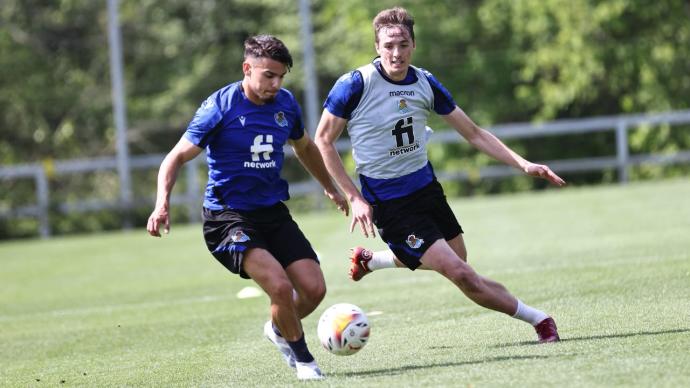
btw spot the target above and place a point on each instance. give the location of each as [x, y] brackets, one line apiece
[466, 279]
[315, 292]
[280, 290]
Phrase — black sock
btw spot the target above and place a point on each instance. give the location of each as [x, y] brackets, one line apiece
[299, 347]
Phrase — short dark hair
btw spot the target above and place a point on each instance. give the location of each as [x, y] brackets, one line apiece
[267, 46]
[393, 17]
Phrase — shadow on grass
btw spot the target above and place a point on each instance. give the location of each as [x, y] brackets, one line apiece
[407, 368]
[597, 337]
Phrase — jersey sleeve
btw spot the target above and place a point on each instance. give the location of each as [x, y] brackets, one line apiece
[297, 130]
[345, 95]
[205, 121]
[443, 100]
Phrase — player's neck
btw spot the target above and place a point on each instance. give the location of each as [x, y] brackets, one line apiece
[250, 95]
[395, 76]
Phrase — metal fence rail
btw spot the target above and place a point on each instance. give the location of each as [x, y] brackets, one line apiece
[621, 160]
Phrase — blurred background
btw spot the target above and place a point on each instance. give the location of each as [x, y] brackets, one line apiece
[94, 93]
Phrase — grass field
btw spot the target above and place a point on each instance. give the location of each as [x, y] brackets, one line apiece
[611, 264]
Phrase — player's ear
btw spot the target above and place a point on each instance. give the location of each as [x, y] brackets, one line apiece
[246, 68]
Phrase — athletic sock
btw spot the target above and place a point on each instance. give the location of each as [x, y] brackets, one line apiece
[299, 348]
[381, 259]
[529, 314]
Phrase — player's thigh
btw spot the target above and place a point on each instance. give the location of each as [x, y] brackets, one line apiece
[267, 272]
[457, 244]
[441, 258]
[287, 243]
[307, 277]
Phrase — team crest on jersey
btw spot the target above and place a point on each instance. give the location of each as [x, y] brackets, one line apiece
[239, 236]
[280, 119]
[414, 242]
[402, 106]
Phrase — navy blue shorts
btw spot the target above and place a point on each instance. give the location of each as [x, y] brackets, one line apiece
[411, 224]
[229, 233]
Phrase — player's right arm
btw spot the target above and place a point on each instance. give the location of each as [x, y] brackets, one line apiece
[329, 130]
[183, 152]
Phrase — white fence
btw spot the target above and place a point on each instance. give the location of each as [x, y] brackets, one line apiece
[621, 160]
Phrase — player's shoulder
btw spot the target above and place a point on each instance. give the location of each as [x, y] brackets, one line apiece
[351, 80]
[225, 97]
[285, 94]
[426, 73]
[286, 98]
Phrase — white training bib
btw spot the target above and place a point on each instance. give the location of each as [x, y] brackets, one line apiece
[387, 129]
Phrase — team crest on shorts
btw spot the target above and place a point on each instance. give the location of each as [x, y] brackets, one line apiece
[402, 106]
[239, 236]
[280, 119]
[414, 242]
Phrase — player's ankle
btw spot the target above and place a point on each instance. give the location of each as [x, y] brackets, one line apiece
[300, 350]
[381, 259]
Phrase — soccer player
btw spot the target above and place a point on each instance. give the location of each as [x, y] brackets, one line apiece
[384, 105]
[246, 225]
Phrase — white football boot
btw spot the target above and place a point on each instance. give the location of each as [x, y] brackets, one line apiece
[309, 371]
[281, 344]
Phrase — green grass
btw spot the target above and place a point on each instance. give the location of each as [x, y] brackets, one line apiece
[611, 264]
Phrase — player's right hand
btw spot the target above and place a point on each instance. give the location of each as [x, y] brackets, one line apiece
[159, 216]
[363, 214]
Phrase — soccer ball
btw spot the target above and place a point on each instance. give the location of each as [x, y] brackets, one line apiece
[343, 329]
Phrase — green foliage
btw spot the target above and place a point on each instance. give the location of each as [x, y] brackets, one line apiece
[503, 61]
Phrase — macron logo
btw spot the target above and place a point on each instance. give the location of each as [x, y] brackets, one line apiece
[262, 147]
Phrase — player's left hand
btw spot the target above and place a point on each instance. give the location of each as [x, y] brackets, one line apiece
[339, 201]
[543, 171]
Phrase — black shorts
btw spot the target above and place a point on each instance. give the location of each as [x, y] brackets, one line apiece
[411, 224]
[229, 233]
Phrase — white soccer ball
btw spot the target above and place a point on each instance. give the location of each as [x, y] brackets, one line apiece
[343, 329]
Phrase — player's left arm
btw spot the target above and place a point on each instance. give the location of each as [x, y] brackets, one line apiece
[486, 142]
[308, 154]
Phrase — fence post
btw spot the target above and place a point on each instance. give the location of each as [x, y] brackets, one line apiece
[622, 153]
[43, 201]
[192, 198]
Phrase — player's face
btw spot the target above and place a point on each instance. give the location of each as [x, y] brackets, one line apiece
[395, 47]
[262, 79]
